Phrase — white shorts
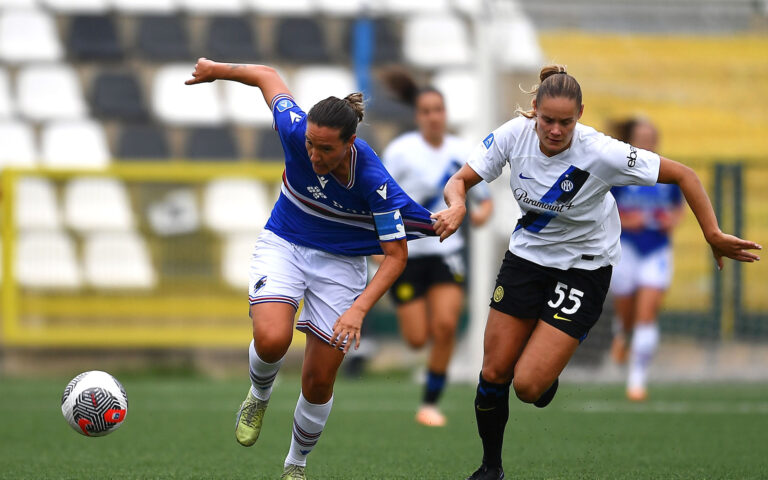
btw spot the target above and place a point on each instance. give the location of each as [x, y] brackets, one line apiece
[285, 272]
[653, 270]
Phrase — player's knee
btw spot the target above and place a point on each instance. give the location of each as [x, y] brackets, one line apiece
[444, 330]
[317, 387]
[270, 346]
[416, 340]
[527, 389]
[492, 374]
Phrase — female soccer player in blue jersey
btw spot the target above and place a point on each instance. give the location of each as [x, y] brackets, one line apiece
[337, 204]
[554, 278]
[640, 279]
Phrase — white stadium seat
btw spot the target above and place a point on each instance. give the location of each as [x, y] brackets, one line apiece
[75, 144]
[179, 104]
[236, 258]
[49, 92]
[236, 205]
[145, 6]
[97, 204]
[7, 106]
[462, 95]
[314, 83]
[409, 7]
[117, 261]
[276, 7]
[77, 6]
[343, 8]
[212, 6]
[522, 50]
[18, 4]
[18, 145]
[47, 260]
[245, 104]
[434, 41]
[28, 36]
[468, 7]
[36, 207]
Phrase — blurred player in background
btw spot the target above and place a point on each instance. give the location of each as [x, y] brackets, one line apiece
[554, 278]
[648, 216]
[337, 205]
[430, 293]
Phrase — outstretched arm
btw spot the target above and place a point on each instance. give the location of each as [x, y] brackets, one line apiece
[262, 76]
[455, 192]
[723, 244]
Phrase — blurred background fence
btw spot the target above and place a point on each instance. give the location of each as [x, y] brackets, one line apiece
[130, 202]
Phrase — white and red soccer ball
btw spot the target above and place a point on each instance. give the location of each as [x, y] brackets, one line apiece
[94, 403]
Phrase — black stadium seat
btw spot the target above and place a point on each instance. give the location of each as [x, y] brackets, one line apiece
[142, 142]
[163, 37]
[231, 39]
[387, 47]
[268, 146]
[301, 39]
[118, 95]
[211, 143]
[94, 37]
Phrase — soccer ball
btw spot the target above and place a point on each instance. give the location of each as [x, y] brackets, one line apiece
[94, 403]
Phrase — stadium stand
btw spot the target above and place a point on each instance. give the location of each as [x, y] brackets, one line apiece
[310, 84]
[432, 41]
[77, 6]
[145, 6]
[301, 40]
[245, 105]
[28, 36]
[163, 38]
[7, 107]
[37, 207]
[211, 6]
[236, 247]
[19, 149]
[268, 147]
[49, 92]
[177, 104]
[271, 7]
[211, 143]
[47, 260]
[117, 260]
[94, 204]
[94, 37]
[117, 95]
[74, 144]
[408, 7]
[387, 46]
[461, 90]
[235, 205]
[342, 8]
[231, 39]
[142, 142]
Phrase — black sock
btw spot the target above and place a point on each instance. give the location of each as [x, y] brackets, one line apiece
[548, 395]
[492, 412]
[434, 387]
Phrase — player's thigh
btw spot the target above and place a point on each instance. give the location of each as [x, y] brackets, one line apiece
[444, 301]
[543, 358]
[318, 373]
[505, 336]
[412, 318]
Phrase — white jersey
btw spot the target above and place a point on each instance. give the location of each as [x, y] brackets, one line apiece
[569, 218]
[422, 171]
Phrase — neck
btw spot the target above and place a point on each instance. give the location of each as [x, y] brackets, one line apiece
[434, 140]
[343, 171]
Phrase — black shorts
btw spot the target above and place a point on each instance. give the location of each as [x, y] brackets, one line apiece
[421, 273]
[569, 300]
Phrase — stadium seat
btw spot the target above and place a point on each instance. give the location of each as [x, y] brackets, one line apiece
[435, 41]
[268, 146]
[231, 39]
[36, 207]
[460, 89]
[245, 104]
[18, 145]
[97, 204]
[162, 38]
[314, 83]
[301, 40]
[49, 92]
[145, 6]
[409, 7]
[235, 205]
[235, 259]
[7, 104]
[211, 143]
[77, 6]
[142, 142]
[117, 95]
[47, 260]
[117, 260]
[212, 6]
[468, 7]
[13, 4]
[272, 7]
[522, 50]
[175, 213]
[387, 46]
[179, 104]
[28, 36]
[94, 37]
[75, 144]
[345, 8]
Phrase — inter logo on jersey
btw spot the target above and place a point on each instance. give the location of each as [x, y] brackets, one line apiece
[488, 141]
[566, 185]
[284, 105]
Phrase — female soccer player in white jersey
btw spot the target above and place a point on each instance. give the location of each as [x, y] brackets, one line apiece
[554, 278]
[429, 294]
[337, 204]
[648, 214]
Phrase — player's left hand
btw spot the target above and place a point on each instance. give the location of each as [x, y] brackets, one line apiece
[449, 220]
[725, 245]
[347, 327]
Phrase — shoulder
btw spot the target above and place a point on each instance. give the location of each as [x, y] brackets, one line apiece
[403, 143]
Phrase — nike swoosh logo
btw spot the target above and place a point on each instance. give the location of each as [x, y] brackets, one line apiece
[557, 316]
[524, 177]
[480, 409]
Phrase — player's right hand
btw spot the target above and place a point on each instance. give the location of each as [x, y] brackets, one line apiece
[449, 220]
[203, 73]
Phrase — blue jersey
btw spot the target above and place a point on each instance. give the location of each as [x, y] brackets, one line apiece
[319, 211]
[651, 200]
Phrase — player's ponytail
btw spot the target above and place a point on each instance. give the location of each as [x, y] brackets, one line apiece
[400, 82]
[555, 82]
[334, 112]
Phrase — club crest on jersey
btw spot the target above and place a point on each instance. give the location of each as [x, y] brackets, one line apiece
[566, 185]
[488, 141]
[284, 105]
[322, 181]
[259, 284]
[382, 191]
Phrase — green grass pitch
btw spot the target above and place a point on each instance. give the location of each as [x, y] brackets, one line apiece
[182, 428]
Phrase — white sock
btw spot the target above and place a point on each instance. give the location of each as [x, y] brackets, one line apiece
[308, 423]
[262, 374]
[645, 340]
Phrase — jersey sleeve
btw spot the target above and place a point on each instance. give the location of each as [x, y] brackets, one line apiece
[488, 158]
[623, 164]
[289, 120]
